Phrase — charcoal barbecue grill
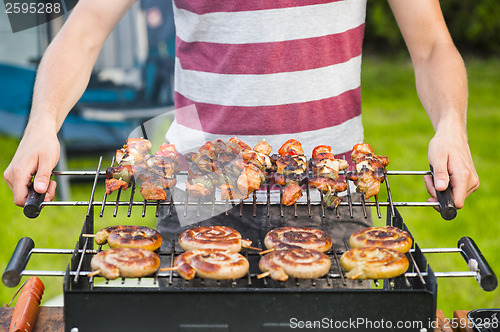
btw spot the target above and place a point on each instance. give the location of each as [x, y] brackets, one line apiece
[166, 302]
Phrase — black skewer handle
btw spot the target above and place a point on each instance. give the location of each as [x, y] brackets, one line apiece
[477, 263]
[446, 204]
[33, 204]
[20, 257]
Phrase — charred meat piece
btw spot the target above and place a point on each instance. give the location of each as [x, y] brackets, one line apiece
[291, 147]
[209, 149]
[198, 161]
[167, 151]
[197, 190]
[115, 184]
[291, 166]
[291, 194]
[140, 145]
[229, 192]
[325, 169]
[133, 152]
[250, 179]
[237, 145]
[263, 147]
[163, 166]
[329, 187]
[323, 163]
[260, 160]
[326, 185]
[121, 172]
[220, 147]
[370, 169]
[153, 190]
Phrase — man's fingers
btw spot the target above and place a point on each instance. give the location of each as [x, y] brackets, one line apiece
[441, 178]
[463, 183]
[51, 191]
[434, 200]
[20, 194]
[459, 196]
[429, 184]
[42, 176]
[18, 186]
[41, 183]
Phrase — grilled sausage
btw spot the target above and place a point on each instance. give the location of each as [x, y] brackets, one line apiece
[27, 306]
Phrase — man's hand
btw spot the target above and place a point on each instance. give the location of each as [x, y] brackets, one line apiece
[451, 160]
[441, 83]
[61, 79]
[37, 155]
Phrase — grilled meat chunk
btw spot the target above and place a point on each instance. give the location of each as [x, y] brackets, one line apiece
[370, 169]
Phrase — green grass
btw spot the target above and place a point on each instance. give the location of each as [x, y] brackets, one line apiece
[395, 124]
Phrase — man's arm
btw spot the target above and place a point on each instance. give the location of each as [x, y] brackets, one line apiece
[442, 87]
[62, 77]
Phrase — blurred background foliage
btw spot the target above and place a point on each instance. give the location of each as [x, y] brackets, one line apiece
[474, 26]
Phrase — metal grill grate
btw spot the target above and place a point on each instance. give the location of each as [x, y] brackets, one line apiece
[33, 208]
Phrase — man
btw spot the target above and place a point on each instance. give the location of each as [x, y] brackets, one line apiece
[305, 87]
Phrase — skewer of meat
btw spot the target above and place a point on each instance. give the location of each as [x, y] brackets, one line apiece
[158, 172]
[200, 167]
[325, 169]
[291, 166]
[370, 169]
[233, 166]
[155, 172]
[251, 165]
[257, 163]
[131, 154]
[205, 166]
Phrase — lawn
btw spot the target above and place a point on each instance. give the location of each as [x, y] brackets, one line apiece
[395, 124]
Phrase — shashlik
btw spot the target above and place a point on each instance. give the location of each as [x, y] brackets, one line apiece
[325, 169]
[238, 170]
[233, 167]
[291, 167]
[370, 169]
[156, 172]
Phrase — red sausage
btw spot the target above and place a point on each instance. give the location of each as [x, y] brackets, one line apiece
[27, 306]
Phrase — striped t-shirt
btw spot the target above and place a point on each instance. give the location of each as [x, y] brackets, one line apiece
[275, 69]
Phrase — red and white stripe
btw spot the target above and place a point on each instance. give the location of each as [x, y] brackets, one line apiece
[294, 65]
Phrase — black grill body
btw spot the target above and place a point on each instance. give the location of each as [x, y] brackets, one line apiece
[249, 304]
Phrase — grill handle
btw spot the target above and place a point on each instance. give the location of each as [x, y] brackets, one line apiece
[446, 204]
[20, 257]
[477, 263]
[33, 204]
